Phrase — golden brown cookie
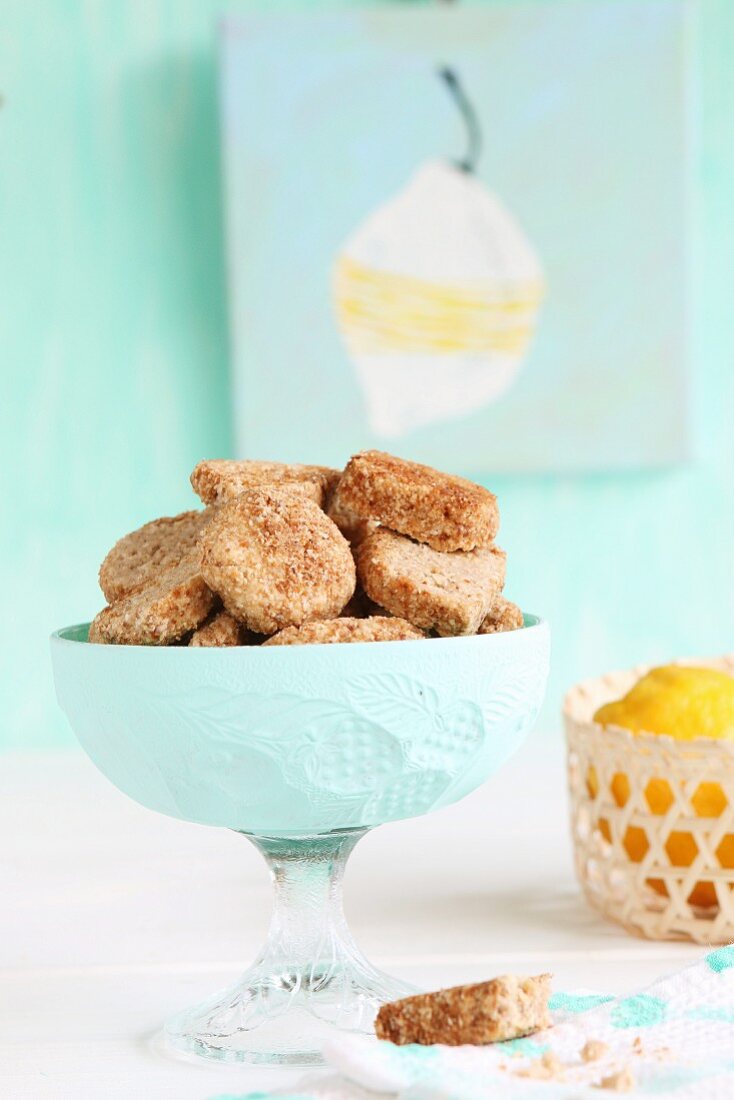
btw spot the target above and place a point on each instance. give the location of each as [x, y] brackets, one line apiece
[159, 614]
[221, 629]
[138, 558]
[449, 593]
[217, 480]
[489, 1012]
[503, 615]
[277, 560]
[377, 629]
[445, 512]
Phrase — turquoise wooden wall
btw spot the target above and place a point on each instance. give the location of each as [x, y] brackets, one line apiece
[113, 355]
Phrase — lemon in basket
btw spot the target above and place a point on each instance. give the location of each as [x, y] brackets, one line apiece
[685, 703]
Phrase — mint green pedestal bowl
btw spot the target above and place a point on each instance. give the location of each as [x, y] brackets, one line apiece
[302, 748]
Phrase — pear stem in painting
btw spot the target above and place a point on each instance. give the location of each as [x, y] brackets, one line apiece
[474, 136]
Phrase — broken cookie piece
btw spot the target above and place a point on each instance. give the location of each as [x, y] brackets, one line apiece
[504, 1008]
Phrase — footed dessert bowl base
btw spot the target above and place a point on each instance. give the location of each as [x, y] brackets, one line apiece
[309, 982]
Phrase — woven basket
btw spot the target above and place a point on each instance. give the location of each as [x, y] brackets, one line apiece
[622, 848]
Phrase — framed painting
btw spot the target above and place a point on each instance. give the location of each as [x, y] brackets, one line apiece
[461, 234]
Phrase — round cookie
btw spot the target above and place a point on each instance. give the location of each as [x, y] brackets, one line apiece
[277, 560]
[377, 629]
[138, 558]
[159, 614]
[216, 480]
[447, 513]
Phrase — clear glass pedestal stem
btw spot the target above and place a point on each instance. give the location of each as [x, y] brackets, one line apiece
[309, 981]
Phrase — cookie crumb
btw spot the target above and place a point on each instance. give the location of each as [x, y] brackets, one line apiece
[622, 1081]
[593, 1050]
[546, 1068]
[551, 1061]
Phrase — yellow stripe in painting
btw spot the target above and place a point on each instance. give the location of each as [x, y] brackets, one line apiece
[479, 290]
[379, 311]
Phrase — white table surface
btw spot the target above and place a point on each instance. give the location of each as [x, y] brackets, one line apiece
[113, 917]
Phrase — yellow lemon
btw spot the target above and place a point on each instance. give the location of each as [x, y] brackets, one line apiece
[684, 703]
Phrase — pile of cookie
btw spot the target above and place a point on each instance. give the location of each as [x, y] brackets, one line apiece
[287, 554]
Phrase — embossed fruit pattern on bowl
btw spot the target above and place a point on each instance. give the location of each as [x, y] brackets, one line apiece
[302, 749]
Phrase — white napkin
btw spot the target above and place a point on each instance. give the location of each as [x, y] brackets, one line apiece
[674, 1039]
